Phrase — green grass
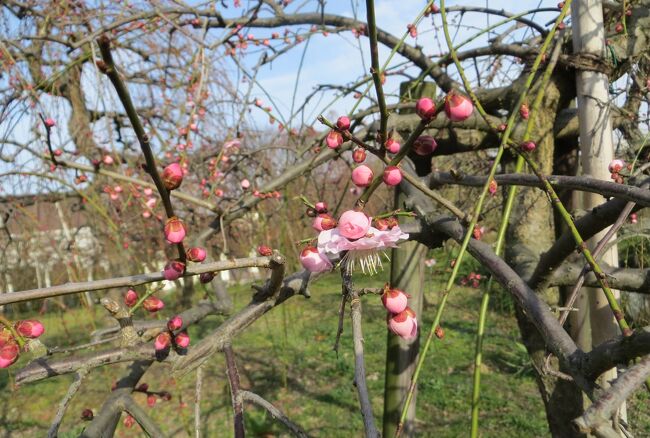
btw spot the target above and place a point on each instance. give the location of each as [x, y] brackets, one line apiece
[287, 358]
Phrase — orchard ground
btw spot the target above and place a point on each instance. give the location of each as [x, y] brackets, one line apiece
[287, 358]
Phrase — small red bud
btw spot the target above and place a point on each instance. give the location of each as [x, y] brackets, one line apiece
[264, 250]
[343, 123]
[359, 155]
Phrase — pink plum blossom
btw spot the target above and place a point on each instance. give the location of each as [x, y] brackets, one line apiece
[174, 230]
[354, 224]
[425, 108]
[458, 107]
[30, 328]
[404, 324]
[362, 176]
[394, 300]
[173, 270]
[392, 175]
[616, 166]
[393, 146]
[314, 261]
[334, 139]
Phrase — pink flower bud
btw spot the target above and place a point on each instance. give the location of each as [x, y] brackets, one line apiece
[108, 160]
[362, 176]
[404, 324]
[394, 300]
[393, 146]
[87, 414]
[153, 304]
[172, 176]
[353, 224]
[182, 340]
[49, 123]
[321, 207]
[130, 298]
[196, 254]
[245, 184]
[492, 187]
[616, 166]
[151, 400]
[323, 222]
[392, 175]
[359, 155]
[8, 354]
[314, 261]
[334, 139]
[264, 250]
[173, 270]
[30, 328]
[528, 146]
[58, 152]
[524, 111]
[174, 230]
[175, 323]
[206, 277]
[129, 421]
[343, 123]
[634, 218]
[458, 107]
[425, 108]
[162, 342]
[151, 202]
[380, 224]
[424, 145]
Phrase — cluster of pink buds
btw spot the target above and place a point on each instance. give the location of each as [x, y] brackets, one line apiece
[172, 336]
[273, 195]
[322, 220]
[472, 279]
[615, 168]
[9, 345]
[401, 318]
[152, 396]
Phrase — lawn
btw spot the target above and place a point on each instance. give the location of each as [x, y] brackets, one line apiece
[287, 358]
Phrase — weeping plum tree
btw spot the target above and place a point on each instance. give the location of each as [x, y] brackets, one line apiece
[148, 114]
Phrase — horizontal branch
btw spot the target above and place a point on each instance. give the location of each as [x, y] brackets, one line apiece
[581, 183]
[619, 350]
[625, 279]
[128, 281]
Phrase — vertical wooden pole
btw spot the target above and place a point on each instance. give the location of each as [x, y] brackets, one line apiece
[596, 150]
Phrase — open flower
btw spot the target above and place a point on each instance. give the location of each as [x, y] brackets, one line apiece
[365, 251]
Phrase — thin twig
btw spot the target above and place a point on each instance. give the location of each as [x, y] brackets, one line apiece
[359, 362]
[63, 405]
[275, 412]
[110, 70]
[233, 381]
[197, 402]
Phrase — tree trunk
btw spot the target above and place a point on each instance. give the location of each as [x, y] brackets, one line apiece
[530, 232]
